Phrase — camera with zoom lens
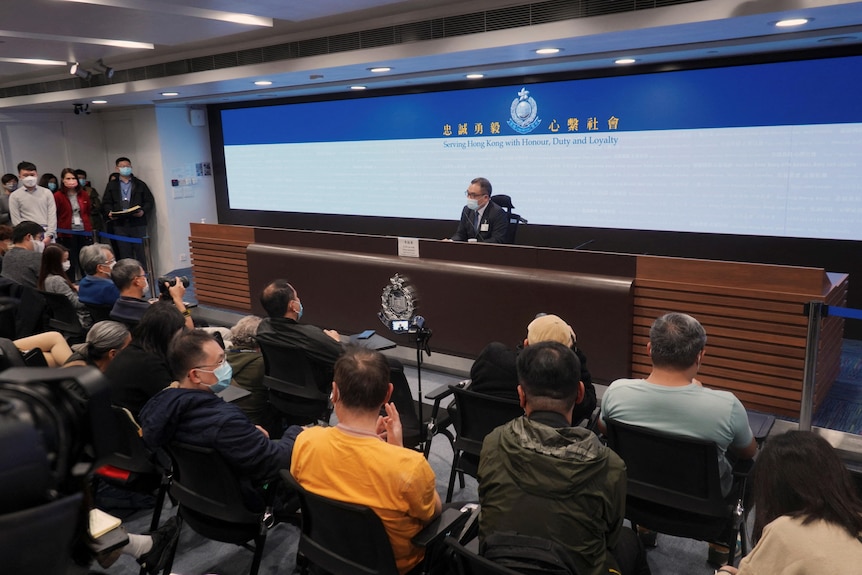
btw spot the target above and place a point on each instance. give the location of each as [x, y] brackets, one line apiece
[166, 283]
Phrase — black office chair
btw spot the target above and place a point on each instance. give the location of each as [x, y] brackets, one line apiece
[674, 486]
[292, 388]
[505, 202]
[132, 466]
[63, 317]
[346, 539]
[417, 434]
[39, 539]
[211, 501]
[512, 554]
[477, 415]
[99, 312]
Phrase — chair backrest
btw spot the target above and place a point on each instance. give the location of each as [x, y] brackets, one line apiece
[39, 539]
[33, 314]
[287, 364]
[130, 452]
[10, 356]
[342, 538]
[478, 415]
[206, 484]
[293, 390]
[514, 219]
[99, 312]
[63, 316]
[669, 470]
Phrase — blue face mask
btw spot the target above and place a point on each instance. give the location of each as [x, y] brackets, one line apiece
[472, 204]
[52, 186]
[126, 171]
[299, 313]
[223, 372]
[82, 182]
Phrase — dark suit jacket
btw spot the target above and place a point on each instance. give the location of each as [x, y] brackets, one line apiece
[112, 201]
[494, 216]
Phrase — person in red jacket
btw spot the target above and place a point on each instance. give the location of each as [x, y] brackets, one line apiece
[73, 213]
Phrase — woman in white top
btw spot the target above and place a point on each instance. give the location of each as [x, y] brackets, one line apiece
[808, 516]
[53, 279]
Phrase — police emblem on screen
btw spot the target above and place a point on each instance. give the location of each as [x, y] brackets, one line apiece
[398, 301]
[524, 112]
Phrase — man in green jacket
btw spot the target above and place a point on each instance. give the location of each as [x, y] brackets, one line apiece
[540, 476]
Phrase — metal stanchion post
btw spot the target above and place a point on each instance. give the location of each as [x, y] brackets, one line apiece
[815, 313]
[148, 255]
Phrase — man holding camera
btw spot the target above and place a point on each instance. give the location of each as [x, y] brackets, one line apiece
[131, 280]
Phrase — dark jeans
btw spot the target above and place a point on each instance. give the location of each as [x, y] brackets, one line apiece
[74, 243]
[131, 250]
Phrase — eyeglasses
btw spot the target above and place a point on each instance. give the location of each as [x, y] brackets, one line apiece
[216, 365]
[473, 196]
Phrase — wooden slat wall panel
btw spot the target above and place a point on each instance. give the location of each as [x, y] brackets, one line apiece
[219, 265]
[755, 325]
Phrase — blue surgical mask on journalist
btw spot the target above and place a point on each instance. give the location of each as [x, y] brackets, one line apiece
[126, 171]
[472, 204]
[223, 372]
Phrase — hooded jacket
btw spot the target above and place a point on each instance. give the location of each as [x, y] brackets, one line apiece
[540, 477]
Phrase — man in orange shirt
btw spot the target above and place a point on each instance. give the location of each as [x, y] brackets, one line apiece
[362, 461]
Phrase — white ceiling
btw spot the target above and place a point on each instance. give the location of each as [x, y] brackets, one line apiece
[87, 30]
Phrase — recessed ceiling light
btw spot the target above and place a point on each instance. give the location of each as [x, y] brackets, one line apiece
[475, 76]
[98, 101]
[791, 22]
[170, 93]
[379, 69]
[546, 51]
[34, 61]
[263, 83]
[357, 87]
[625, 61]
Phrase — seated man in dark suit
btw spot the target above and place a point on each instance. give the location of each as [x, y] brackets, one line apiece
[494, 371]
[481, 219]
[322, 347]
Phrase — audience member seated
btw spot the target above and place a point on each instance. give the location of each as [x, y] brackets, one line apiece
[192, 413]
[104, 341]
[22, 262]
[5, 238]
[131, 280]
[96, 287]
[246, 362]
[543, 477]
[361, 460]
[322, 347]
[494, 372]
[671, 400]
[141, 370]
[807, 513]
[53, 279]
[52, 344]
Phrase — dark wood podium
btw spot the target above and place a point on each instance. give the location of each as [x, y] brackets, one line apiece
[472, 294]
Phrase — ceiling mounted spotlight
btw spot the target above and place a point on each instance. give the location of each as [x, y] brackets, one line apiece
[81, 109]
[101, 68]
[73, 68]
[78, 71]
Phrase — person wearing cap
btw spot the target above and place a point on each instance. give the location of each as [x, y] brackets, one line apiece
[543, 476]
[494, 371]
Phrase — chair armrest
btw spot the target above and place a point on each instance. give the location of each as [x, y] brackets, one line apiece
[439, 393]
[450, 521]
